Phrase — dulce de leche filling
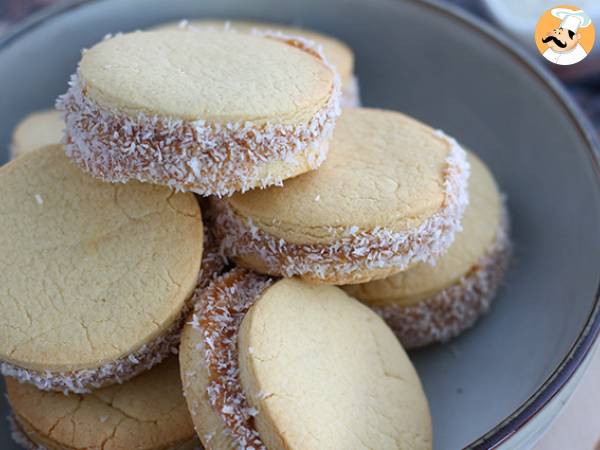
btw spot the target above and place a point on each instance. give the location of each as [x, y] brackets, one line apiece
[218, 316]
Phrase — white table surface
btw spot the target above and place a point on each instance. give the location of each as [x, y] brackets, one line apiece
[578, 425]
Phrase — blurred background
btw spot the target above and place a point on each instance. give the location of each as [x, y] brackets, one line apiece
[582, 80]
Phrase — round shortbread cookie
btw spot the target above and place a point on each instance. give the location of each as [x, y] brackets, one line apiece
[427, 304]
[288, 365]
[95, 277]
[38, 129]
[146, 413]
[336, 52]
[206, 111]
[391, 193]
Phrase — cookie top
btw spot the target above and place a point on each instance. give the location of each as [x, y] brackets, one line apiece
[315, 363]
[37, 130]
[89, 271]
[338, 53]
[148, 412]
[383, 170]
[218, 77]
[481, 223]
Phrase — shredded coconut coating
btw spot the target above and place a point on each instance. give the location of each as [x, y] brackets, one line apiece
[456, 308]
[218, 315]
[20, 437]
[355, 256]
[84, 380]
[214, 262]
[205, 158]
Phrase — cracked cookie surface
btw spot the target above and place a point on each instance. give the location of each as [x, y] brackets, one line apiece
[90, 272]
[146, 413]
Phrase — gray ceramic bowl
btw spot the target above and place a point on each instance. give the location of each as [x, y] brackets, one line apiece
[455, 73]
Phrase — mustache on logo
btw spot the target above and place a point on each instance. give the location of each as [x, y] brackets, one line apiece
[555, 40]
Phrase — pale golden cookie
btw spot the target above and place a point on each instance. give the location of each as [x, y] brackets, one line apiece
[336, 52]
[146, 413]
[95, 277]
[288, 365]
[206, 111]
[37, 130]
[427, 304]
[391, 193]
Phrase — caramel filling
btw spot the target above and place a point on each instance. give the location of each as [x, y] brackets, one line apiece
[218, 316]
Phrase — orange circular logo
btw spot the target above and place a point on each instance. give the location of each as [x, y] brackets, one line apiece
[565, 35]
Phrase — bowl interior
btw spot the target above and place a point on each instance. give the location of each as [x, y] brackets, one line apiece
[414, 58]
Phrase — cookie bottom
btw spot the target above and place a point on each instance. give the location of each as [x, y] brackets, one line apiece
[453, 310]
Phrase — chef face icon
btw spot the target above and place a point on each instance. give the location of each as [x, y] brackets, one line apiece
[565, 35]
[561, 40]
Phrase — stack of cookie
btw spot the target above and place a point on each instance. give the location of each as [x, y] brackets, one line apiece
[208, 197]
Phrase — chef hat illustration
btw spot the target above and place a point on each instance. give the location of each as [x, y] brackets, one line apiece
[572, 20]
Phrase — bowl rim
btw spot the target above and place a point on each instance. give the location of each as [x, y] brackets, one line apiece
[582, 346]
[565, 370]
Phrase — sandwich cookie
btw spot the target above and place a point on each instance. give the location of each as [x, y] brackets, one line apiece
[337, 53]
[146, 413]
[209, 112]
[95, 278]
[391, 194]
[429, 304]
[37, 130]
[288, 365]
